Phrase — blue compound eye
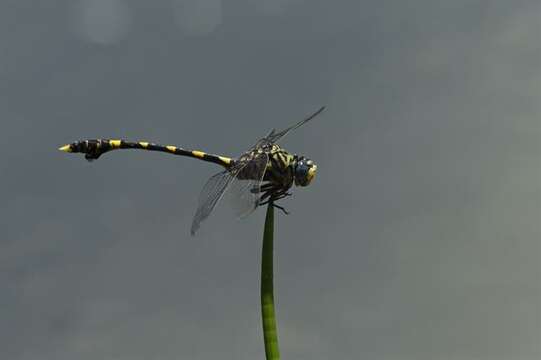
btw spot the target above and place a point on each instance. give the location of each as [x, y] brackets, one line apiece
[304, 172]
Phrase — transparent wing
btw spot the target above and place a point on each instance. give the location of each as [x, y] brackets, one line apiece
[211, 193]
[245, 183]
[245, 190]
[275, 136]
[245, 178]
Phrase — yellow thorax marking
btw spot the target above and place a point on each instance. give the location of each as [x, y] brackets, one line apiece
[282, 156]
[143, 144]
[199, 154]
[115, 143]
[171, 148]
[288, 158]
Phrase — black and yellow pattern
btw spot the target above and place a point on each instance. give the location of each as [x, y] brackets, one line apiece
[93, 149]
[263, 174]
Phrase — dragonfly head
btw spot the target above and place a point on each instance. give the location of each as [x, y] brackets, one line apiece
[305, 171]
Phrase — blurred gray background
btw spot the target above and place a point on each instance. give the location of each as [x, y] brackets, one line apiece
[419, 239]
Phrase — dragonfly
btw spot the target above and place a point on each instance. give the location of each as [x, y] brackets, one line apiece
[262, 175]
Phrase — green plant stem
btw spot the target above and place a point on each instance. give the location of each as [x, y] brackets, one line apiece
[270, 335]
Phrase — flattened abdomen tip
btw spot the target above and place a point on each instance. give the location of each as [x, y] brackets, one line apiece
[65, 148]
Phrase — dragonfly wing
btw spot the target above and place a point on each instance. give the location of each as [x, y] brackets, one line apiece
[211, 193]
[275, 136]
[246, 193]
[245, 199]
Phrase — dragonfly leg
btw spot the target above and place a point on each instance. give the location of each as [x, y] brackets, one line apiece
[273, 195]
[264, 202]
[262, 188]
[274, 205]
[268, 193]
[281, 208]
[281, 194]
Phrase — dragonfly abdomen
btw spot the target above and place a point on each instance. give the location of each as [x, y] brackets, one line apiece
[94, 148]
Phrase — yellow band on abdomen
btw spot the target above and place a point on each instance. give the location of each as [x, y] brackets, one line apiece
[199, 154]
[225, 160]
[115, 143]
